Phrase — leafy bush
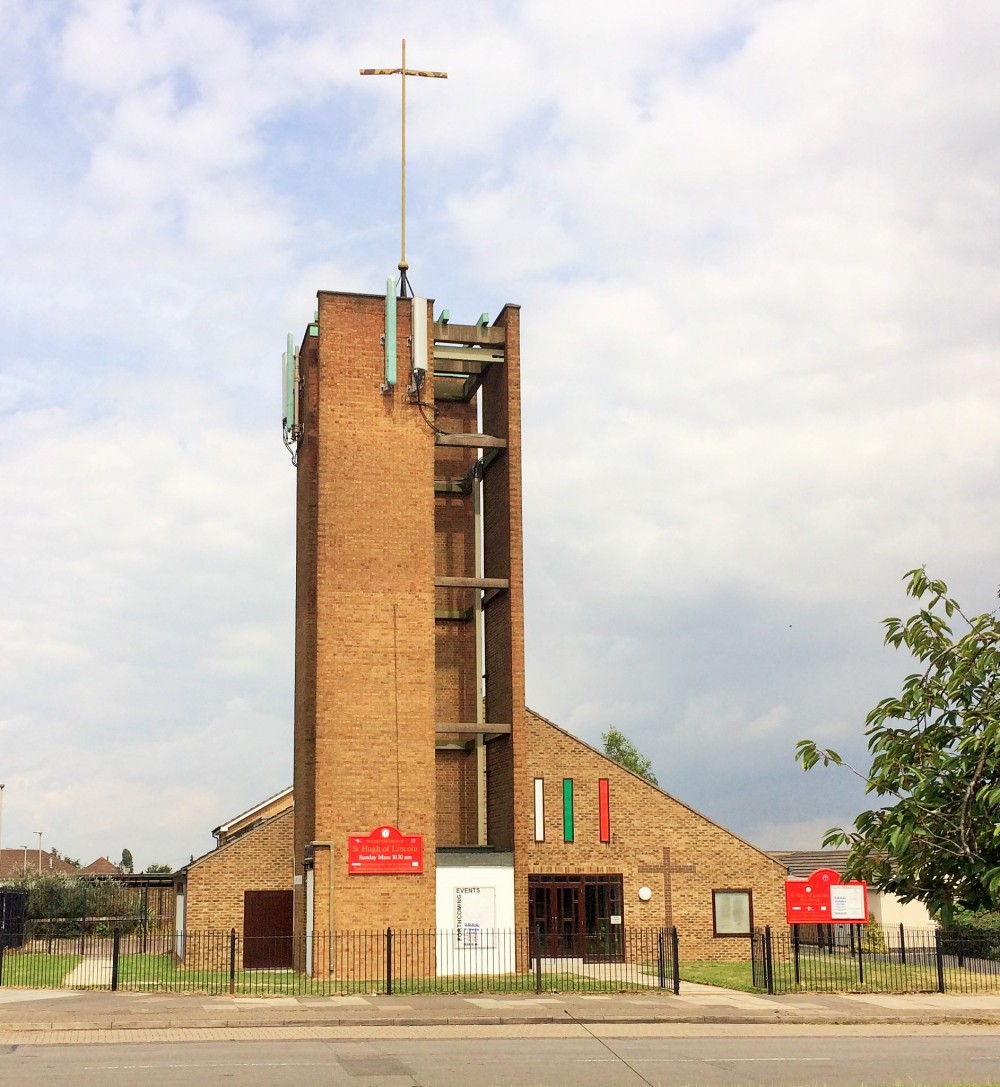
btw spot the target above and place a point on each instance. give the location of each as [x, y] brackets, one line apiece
[873, 940]
[973, 934]
[71, 905]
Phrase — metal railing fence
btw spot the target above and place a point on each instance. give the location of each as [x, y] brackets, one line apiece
[870, 958]
[383, 961]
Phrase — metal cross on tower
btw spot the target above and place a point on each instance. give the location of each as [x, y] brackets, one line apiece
[402, 71]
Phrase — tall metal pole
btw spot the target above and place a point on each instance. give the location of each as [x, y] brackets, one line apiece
[403, 266]
[1, 830]
[39, 833]
[403, 72]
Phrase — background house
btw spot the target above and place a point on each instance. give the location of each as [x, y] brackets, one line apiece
[885, 909]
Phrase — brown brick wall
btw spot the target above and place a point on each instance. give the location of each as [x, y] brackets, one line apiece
[260, 860]
[374, 671]
[365, 749]
[455, 666]
[456, 798]
[644, 821]
[500, 794]
[504, 620]
[306, 574]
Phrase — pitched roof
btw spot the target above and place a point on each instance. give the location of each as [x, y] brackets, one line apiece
[15, 862]
[229, 828]
[648, 784]
[101, 867]
[284, 812]
[801, 863]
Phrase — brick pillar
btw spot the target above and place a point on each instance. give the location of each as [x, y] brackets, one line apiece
[365, 652]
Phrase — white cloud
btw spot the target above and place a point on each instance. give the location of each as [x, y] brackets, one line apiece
[755, 247]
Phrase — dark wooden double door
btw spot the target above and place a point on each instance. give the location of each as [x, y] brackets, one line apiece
[577, 917]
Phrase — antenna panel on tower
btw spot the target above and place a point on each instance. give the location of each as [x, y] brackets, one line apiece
[419, 334]
[290, 386]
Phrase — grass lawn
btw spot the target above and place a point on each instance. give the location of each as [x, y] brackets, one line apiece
[817, 973]
[841, 974]
[727, 975]
[830, 974]
[36, 971]
[163, 973]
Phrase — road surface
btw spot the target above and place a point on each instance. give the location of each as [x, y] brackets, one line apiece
[963, 1055]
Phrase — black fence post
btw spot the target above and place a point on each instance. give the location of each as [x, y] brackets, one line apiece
[538, 958]
[902, 944]
[675, 955]
[232, 961]
[861, 958]
[661, 966]
[115, 950]
[388, 961]
[769, 961]
[939, 956]
[796, 941]
[3, 946]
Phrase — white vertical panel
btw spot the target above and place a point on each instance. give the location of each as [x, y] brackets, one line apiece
[310, 918]
[180, 919]
[539, 810]
[419, 334]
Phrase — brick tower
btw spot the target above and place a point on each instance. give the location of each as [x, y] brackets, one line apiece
[409, 652]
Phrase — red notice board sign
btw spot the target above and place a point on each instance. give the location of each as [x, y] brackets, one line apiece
[385, 852]
[823, 900]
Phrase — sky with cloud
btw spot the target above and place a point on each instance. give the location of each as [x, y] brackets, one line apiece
[755, 244]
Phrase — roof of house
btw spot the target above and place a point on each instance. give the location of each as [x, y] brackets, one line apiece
[801, 863]
[228, 827]
[181, 874]
[658, 788]
[101, 867]
[15, 862]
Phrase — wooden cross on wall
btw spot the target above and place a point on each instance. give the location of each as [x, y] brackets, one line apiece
[665, 870]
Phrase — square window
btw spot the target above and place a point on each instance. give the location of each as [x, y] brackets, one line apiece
[732, 913]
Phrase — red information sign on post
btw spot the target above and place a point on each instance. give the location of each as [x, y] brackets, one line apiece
[385, 852]
[823, 900]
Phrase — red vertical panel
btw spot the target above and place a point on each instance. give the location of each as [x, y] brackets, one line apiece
[605, 801]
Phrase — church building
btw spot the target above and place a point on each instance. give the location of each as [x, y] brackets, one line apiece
[426, 795]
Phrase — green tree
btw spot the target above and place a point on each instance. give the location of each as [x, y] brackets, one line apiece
[617, 746]
[935, 756]
[126, 864]
[151, 868]
[74, 861]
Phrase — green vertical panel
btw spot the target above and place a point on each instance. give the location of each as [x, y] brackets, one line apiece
[289, 374]
[567, 809]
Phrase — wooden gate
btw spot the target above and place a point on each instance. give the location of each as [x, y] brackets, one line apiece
[267, 929]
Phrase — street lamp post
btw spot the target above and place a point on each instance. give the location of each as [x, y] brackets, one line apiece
[39, 833]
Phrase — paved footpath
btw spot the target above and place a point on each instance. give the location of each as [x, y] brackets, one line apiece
[46, 1016]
